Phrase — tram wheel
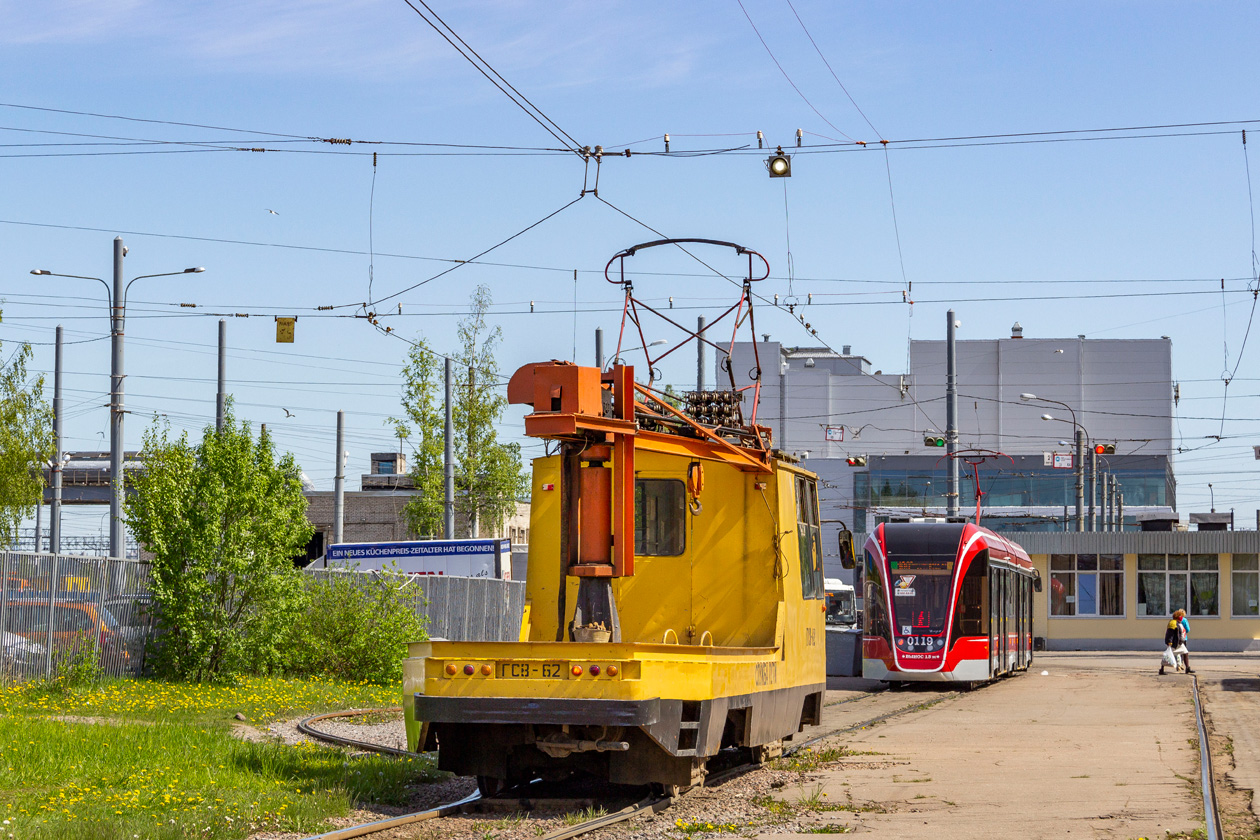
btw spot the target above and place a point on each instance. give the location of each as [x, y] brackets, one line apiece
[488, 786]
[672, 791]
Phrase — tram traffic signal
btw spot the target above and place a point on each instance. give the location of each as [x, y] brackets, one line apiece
[1105, 449]
[856, 461]
[933, 440]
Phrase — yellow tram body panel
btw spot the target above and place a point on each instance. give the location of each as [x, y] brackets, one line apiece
[721, 625]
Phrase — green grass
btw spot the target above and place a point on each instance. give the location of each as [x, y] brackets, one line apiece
[259, 699]
[168, 767]
[810, 759]
[586, 815]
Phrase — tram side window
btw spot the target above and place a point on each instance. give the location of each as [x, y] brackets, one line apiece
[660, 517]
[875, 607]
[809, 538]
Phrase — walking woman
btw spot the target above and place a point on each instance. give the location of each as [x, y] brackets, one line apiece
[1183, 629]
[1175, 643]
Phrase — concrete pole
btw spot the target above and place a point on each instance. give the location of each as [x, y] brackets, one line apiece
[951, 415]
[448, 457]
[1120, 512]
[39, 516]
[473, 525]
[1080, 478]
[54, 524]
[117, 536]
[599, 347]
[1106, 503]
[1114, 497]
[220, 402]
[1093, 489]
[700, 353]
[339, 482]
[782, 440]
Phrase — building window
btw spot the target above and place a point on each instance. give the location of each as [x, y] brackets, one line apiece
[1245, 594]
[1086, 585]
[660, 517]
[1167, 583]
[384, 467]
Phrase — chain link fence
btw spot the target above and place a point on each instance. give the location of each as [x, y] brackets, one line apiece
[58, 610]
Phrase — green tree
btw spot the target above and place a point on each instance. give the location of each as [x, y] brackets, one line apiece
[488, 476]
[223, 520]
[422, 402]
[26, 442]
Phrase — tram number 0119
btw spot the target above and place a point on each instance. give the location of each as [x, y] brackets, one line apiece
[920, 643]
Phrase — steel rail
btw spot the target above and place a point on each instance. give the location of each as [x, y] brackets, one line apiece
[1207, 779]
[304, 726]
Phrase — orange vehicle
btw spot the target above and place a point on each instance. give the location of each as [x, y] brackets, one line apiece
[73, 621]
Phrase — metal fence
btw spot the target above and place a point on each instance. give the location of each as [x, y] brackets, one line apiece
[458, 608]
[58, 611]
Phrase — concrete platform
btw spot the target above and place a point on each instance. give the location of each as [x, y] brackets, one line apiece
[1099, 747]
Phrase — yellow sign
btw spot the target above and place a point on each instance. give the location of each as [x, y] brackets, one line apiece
[284, 330]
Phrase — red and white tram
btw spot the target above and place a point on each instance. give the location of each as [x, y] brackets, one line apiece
[945, 602]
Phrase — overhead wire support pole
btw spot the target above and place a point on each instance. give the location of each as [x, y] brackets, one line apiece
[700, 354]
[116, 490]
[339, 482]
[951, 415]
[220, 402]
[54, 524]
[1079, 469]
[448, 458]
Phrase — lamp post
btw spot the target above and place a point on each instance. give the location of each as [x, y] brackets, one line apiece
[117, 301]
[1078, 461]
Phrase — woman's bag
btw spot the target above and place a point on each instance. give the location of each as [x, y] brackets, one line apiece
[1170, 658]
[1179, 649]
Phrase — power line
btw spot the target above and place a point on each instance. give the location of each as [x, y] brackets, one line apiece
[494, 77]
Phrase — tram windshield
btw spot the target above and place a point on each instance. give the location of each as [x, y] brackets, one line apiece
[920, 573]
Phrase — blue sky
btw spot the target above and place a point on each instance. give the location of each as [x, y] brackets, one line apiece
[1066, 220]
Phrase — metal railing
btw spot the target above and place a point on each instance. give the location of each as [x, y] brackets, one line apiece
[458, 608]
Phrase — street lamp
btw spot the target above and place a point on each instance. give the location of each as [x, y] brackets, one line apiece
[1079, 465]
[117, 301]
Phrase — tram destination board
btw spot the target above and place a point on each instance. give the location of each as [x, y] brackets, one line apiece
[924, 565]
[533, 670]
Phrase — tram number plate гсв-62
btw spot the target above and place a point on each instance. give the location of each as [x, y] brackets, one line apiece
[533, 670]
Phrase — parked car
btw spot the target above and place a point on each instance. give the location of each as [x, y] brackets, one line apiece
[73, 621]
[19, 655]
[137, 618]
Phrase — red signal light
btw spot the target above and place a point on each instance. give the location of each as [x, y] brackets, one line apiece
[1099, 449]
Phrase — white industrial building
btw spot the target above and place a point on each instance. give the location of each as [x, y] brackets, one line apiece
[828, 407]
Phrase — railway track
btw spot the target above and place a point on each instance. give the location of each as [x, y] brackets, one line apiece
[649, 804]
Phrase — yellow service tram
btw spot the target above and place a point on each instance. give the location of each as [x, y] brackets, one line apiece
[675, 598]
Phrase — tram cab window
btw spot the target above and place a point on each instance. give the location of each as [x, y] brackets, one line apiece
[660, 517]
[809, 538]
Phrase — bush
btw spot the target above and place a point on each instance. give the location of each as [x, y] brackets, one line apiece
[355, 626]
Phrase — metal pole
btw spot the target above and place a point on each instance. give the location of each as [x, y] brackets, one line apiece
[220, 403]
[39, 515]
[117, 547]
[782, 441]
[599, 347]
[339, 482]
[448, 455]
[1120, 512]
[1093, 489]
[1113, 496]
[700, 353]
[951, 415]
[470, 498]
[1079, 469]
[54, 524]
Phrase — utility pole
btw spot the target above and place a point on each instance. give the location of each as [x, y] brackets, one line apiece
[220, 403]
[1120, 514]
[54, 524]
[471, 499]
[1093, 489]
[782, 441]
[1114, 497]
[117, 546]
[951, 415]
[448, 458]
[39, 515]
[339, 482]
[599, 347]
[1080, 478]
[700, 353]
